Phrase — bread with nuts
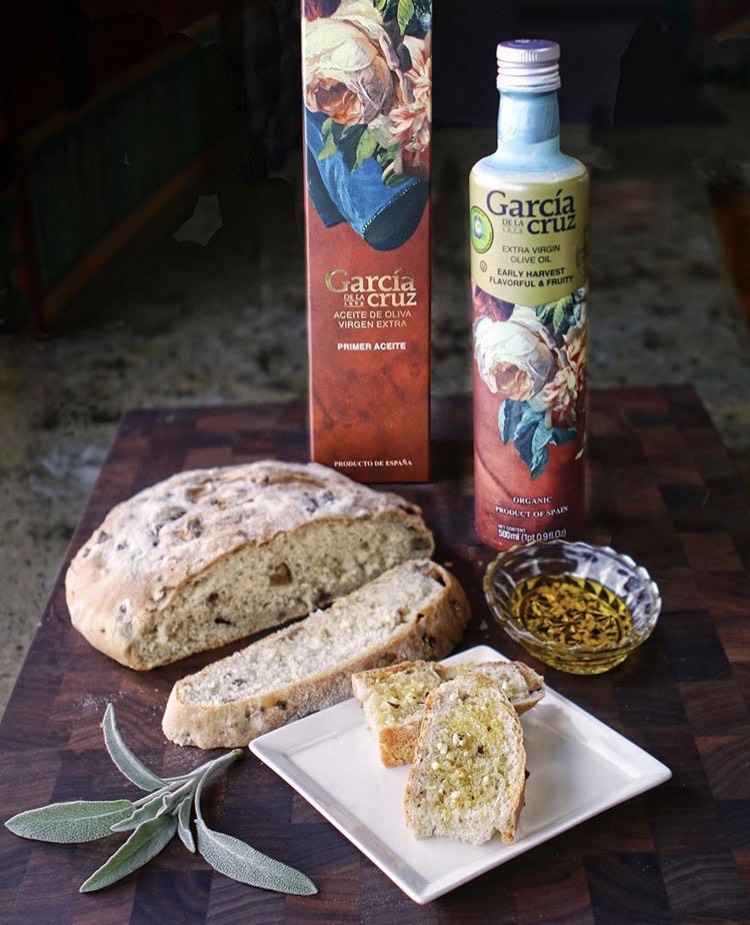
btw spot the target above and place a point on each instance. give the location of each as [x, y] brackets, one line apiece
[210, 556]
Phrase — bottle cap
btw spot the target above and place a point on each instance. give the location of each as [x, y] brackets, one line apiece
[528, 64]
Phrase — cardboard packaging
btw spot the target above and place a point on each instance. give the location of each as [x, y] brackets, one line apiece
[367, 83]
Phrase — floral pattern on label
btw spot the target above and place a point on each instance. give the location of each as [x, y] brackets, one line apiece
[534, 359]
[368, 102]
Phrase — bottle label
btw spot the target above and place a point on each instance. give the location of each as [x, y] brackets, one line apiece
[528, 241]
[528, 244]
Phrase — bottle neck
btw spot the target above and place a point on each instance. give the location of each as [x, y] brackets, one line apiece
[528, 127]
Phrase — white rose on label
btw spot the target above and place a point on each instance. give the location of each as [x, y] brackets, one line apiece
[515, 358]
[352, 69]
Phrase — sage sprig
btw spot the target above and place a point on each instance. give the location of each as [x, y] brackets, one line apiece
[153, 820]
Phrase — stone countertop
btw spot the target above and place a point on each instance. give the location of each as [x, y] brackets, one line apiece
[211, 309]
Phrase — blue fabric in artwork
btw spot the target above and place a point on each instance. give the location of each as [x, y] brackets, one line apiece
[385, 216]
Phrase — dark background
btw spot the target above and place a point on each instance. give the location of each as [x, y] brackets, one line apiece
[109, 109]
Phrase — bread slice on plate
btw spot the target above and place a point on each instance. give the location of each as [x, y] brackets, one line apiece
[414, 610]
[393, 698]
[210, 556]
[469, 772]
[393, 701]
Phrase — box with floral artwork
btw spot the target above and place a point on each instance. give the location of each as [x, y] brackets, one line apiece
[367, 84]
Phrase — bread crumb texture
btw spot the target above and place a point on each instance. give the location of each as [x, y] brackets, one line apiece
[468, 776]
[366, 618]
[393, 698]
[396, 695]
[416, 610]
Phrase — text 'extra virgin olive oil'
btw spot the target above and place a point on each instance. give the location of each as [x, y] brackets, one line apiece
[528, 221]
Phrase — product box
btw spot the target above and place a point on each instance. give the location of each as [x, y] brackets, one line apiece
[367, 84]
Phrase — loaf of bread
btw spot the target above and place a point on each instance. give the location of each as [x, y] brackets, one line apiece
[469, 772]
[393, 698]
[213, 555]
[414, 610]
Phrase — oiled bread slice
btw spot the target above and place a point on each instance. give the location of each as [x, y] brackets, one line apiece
[414, 610]
[213, 555]
[393, 698]
[523, 686]
[469, 772]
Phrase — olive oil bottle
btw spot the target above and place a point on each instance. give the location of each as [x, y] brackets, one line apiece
[528, 228]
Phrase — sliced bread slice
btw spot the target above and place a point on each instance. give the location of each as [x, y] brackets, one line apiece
[414, 610]
[469, 772]
[393, 701]
[393, 698]
[523, 686]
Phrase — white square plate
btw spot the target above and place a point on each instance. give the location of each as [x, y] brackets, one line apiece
[578, 767]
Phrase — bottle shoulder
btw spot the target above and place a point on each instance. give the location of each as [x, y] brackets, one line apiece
[494, 168]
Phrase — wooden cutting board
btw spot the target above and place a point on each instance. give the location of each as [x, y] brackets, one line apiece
[662, 488]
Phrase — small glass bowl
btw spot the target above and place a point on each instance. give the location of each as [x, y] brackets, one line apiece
[616, 572]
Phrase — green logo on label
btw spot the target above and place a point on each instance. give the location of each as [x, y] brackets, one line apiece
[482, 234]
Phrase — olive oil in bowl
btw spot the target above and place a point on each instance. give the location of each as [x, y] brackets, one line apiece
[575, 607]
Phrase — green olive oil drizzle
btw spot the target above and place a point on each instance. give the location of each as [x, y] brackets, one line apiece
[153, 821]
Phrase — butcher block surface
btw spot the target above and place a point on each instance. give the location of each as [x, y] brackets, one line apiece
[662, 488]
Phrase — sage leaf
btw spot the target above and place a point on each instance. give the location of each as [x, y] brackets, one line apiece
[166, 800]
[238, 860]
[143, 845]
[233, 858]
[70, 823]
[127, 763]
[145, 813]
[183, 824]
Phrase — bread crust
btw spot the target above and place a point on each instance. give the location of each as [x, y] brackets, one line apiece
[171, 536]
[533, 679]
[430, 633]
[397, 744]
